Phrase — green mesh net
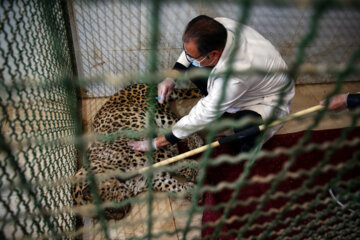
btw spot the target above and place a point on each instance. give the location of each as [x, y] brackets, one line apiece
[55, 55]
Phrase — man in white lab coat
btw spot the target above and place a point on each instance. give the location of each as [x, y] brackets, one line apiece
[209, 42]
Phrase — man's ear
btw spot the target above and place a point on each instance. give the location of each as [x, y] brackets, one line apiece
[214, 53]
[217, 53]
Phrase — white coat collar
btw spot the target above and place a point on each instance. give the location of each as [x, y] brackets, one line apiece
[226, 52]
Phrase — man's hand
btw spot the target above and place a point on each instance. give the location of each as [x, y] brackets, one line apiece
[165, 89]
[142, 146]
[337, 102]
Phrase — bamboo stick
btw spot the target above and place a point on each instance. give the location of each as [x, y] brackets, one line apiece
[216, 143]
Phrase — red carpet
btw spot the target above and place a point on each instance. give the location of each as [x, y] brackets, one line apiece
[304, 164]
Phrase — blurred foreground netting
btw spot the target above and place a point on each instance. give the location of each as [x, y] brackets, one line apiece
[54, 55]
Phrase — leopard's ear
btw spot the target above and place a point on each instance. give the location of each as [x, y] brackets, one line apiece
[86, 193]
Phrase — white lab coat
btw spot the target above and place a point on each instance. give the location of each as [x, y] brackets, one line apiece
[254, 91]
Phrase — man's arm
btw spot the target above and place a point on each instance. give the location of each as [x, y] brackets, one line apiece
[207, 109]
[166, 87]
[353, 100]
[343, 101]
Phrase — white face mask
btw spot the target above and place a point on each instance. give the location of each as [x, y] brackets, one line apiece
[195, 62]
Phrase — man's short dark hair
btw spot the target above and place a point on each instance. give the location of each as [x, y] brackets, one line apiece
[207, 33]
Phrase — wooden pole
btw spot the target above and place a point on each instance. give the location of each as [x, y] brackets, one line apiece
[293, 116]
[216, 144]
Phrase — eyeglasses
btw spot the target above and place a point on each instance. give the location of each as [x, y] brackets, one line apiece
[191, 59]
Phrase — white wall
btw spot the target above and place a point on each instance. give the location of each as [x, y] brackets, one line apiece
[112, 36]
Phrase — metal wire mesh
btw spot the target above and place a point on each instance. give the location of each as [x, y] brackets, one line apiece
[34, 110]
[41, 133]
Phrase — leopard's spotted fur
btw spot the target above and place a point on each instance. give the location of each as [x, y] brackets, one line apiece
[126, 110]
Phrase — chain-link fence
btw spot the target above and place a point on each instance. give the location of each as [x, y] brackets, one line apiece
[110, 44]
[35, 119]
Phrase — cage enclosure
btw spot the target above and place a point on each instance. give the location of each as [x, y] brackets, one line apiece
[63, 61]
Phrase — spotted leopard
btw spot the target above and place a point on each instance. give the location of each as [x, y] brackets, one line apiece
[127, 110]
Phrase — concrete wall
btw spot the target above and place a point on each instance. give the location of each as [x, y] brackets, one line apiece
[112, 36]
